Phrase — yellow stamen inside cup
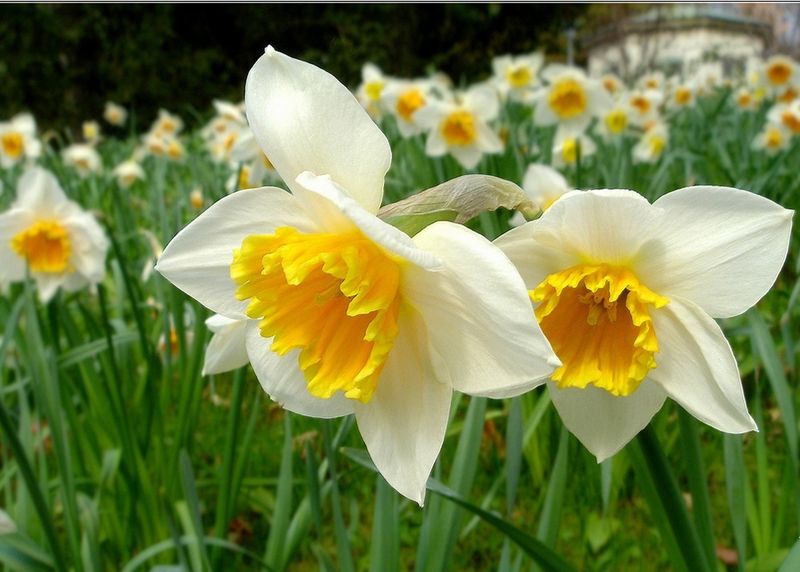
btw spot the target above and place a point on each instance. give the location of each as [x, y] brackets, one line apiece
[597, 318]
[374, 89]
[333, 297]
[408, 102]
[567, 98]
[13, 144]
[778, 73]
[616, 121]
[569, 150]
[458, 128]
[45, 246]
[519, 77]
[683, 96]
[773, 138]
[791, 120]
[641, 104]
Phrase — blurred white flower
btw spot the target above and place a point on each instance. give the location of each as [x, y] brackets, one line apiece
[115, 114]
[83, 158]
[570, 99]
[774, 138]
[568, 145]
[460, 126]
[18, 140]
[91, 132]
[404, 98]
[128, 172]
[652, 143]
[516, 77]
[51, 237]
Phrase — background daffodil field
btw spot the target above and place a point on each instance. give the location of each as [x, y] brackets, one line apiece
[134, 435]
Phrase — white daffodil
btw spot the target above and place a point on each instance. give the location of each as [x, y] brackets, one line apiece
[18, 140]
[115, 114]
[652, 81]
[167, 124]
[568, 145]
[404, 98]
[460, 126]
[627, 293]
[681, 96]
[570, 99]
[345, 313]
[774, 138]
[60, 244]
[745, 99]
[370, 91]
[543, 185]
[226, 351]
[651, 146]
[787, 115]
[612, 84]
[83, 158]
[781, 74]
[128, 172]
[516, 77]
[91, 132]
[616, 121]
[644, 106]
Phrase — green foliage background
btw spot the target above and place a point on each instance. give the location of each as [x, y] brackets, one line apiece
[62, 62]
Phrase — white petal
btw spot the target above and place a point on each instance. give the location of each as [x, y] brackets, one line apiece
[12, 265]
[404, 423]
[480, 319]
[89, 246]
[39, 191]
[282, 380]
[697, 368]
[47, 284]
[435, 146]
[305, 120]
[325, 189]
[605, 423]
[226, 351]
[605, 226]
[719, 247]
[198, 259]
[468, 157]
[487, 140]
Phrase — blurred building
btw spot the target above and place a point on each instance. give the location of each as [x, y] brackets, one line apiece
[678, 39]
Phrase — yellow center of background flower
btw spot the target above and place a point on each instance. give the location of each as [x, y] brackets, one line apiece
[408, 102]
[597, 319]
[567, 98]
[656, 144]
[335, 297]
[13, 144]
[45, 246]
[518, 77]
[778, 73]
[682, 96]
[616, 121]
[569, 150]
[373, 90]
[791, 121]
[773, 138]
[458, 128]
[744, 100]
[641, 104]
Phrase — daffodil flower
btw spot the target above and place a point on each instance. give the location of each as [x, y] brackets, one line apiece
[345, 313]
[51, 237]
[517, 76]
[460, 126]
[627, 292]
[570, 99]
[18, 140]
[83, 158]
